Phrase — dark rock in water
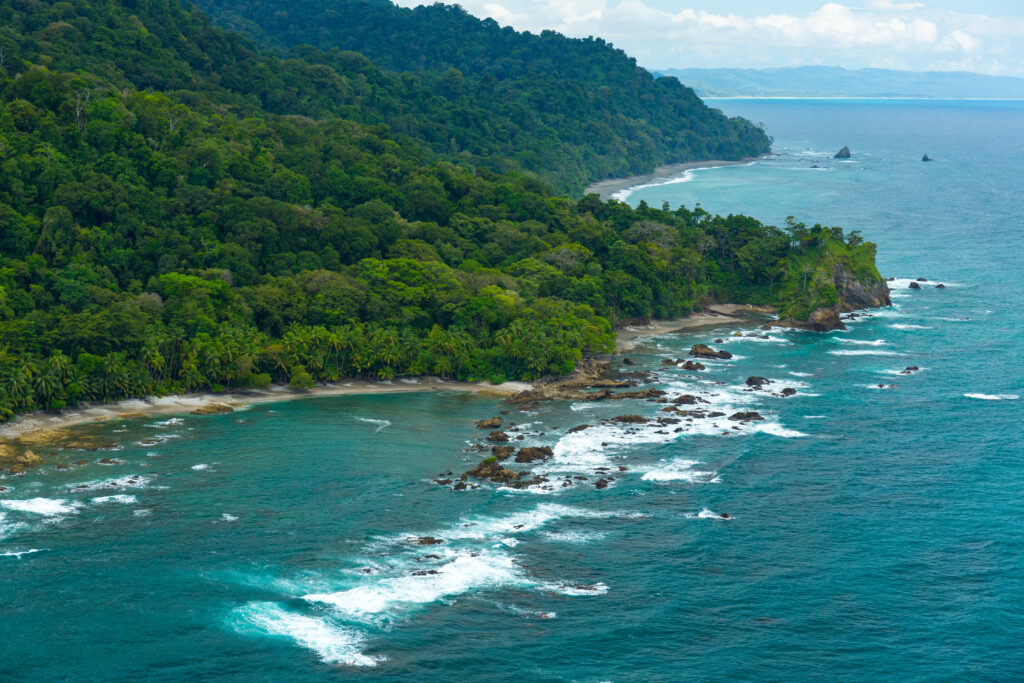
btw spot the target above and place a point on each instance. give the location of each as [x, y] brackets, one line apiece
[940, 286]
[442, 482]
[914, 285]
[718, 341]
[425, 572]
[715, 414]
[824, 320]
[502, 452]
[631, 419]
[889, 279]
[601, 484]
[533, 454]
[922, 279]
[668, 361]
[626, 361]
[84, 445]
[492, 423]
[724, 515]
[428, 540]
[498, 437]
[490, 469]
[688, 400]
[912, 368]
[844, 153]
[926, 158]
[693, 365]
[212, 409]
[579, 428]
[705, 351]
[757, 382]
[745, 417]
[766, 327]
[459, 486]
[788, 391]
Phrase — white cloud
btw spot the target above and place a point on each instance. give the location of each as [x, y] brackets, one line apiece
[883, 32]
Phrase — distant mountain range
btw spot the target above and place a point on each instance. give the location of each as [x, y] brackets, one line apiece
[831, 81]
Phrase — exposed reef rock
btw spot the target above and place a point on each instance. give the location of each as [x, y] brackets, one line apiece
[844, 153]
[745, 417]
[533, 454]
[705, 351]
[212, 409]
[491, 423]
[913, 285]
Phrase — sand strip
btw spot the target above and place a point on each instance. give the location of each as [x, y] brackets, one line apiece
[606, 188]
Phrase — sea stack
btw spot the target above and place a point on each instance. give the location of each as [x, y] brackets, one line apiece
[926, 158]
[844, 153]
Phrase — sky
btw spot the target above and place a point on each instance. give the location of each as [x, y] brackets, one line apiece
[984, 36]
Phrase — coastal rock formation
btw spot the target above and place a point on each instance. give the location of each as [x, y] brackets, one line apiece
[693, 365]
[914, 285]
[687, 400]
[745, 417]
[630, 419]
[579, 428]
[502, 452]
[789, 391]
[926, 158]
[940, 286]
[856, 292]
[705, 351]
[491, 423]
[533, 454]
[212, 409]
[824, 320]
[490, 469]
[844, 153]
[498, 437]
[757, 382]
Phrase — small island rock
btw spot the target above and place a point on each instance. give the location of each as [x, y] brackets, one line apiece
[844, 153]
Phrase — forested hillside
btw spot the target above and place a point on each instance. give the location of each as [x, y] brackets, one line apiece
[180, 211]
[571, 111]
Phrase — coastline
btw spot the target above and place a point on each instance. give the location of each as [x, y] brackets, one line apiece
[711, 316]
[43, 428]
[606, 188]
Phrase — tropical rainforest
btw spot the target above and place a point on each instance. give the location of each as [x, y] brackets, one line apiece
[184, 208]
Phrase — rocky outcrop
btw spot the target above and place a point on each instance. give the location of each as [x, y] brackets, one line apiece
[533, 454]
[631, 419]
[844, 153]
[913, 285]
[705, 351]
[502, 452]
[757, 382]
[579, 428]
[745, 417]
[498, 437]
[490, 469]
[855, 294]
[212, 409]
[824, 320]
[693, 365]
[491, 423]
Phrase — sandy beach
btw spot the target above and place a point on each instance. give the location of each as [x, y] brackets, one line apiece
[42, 427]
[606, 188]
[719, 314]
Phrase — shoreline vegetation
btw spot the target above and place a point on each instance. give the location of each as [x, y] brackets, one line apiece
[610, 186]
[46, 428]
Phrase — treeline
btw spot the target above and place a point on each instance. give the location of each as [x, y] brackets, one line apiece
[162, 231]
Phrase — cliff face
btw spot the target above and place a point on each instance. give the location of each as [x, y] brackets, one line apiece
[859, 292]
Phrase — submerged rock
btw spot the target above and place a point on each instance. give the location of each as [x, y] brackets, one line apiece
[579, 428]
[428, 540]
[705, 351]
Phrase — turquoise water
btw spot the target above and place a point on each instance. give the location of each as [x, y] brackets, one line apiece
[875, 534]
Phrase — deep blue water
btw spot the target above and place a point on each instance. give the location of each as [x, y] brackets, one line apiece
[875, 534]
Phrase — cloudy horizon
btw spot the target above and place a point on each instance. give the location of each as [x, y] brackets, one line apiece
[945, 35]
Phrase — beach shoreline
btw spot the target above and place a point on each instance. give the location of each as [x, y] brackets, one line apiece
[42, 427]
[46, 428]
[606, 188]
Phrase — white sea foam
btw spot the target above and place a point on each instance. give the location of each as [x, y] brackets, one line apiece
[483, 528]
[229, 518]
[573, 536]
[332, 643]
[794, 373]
[120, 498]
[682, 470]
[18, 553]
[143, 513]
[598, 588]
[814, 417]
[464, 571]
[382, 424]
[862, 342]
[908, 326]
[775, 429]
[48, 507]
[705, 513]
[131, 481]
[167, 423]
[200, 467]
[994, 397]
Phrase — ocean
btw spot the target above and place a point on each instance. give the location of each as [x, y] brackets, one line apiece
[873, 532]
